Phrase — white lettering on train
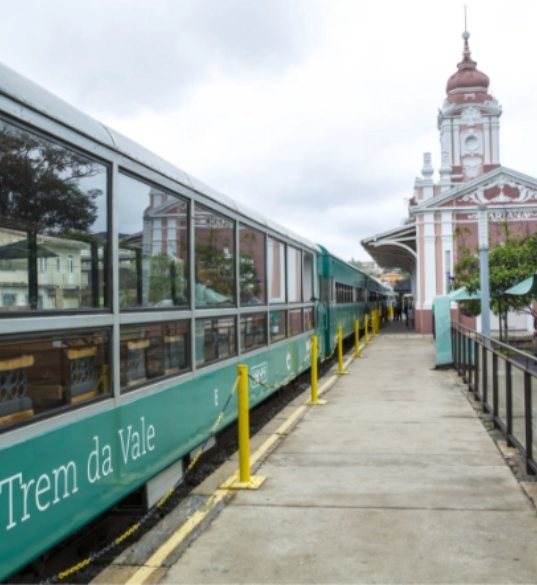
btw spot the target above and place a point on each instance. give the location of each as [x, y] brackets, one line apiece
[41, 496]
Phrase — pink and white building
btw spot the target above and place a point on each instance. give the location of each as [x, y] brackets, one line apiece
[470, 176]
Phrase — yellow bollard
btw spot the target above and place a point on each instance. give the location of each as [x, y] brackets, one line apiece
[244, 481]
[314, 379]
[375, 322]
[366, 326]
[356, 338]
[340, 371]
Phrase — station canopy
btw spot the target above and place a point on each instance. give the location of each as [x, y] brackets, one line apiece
[395, 248]
[525, 287]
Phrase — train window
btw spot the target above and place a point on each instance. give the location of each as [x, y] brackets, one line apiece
[308, 319]
[53, 204]
[48, 372]
[296, 325]
[308, 277]
[214, 258]
[148, 352]
[253, 331]
[252, 267]
[153, 244]
[276, 271]
[215, 339]
[294, 275]
[278, 325]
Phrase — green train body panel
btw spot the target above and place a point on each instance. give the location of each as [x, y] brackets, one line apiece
[342, 315]
[93, 463]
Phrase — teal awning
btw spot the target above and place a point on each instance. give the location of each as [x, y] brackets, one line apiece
[525, 287]
[461, 294]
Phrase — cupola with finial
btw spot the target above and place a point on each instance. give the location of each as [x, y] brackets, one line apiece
[469, 122]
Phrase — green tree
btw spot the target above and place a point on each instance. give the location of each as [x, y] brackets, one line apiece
[40, 184]
[512, 258]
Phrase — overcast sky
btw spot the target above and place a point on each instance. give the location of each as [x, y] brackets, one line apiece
[314, 112]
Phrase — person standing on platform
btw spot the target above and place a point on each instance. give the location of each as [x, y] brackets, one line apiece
[410, 322]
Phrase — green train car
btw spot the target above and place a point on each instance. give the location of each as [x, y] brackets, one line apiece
[129, 293]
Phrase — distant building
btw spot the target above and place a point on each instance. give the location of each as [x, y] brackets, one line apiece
[470, 176]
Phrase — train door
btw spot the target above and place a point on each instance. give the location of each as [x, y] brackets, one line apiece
[321, 315]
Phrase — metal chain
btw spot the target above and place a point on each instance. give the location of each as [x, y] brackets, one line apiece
[151, 512]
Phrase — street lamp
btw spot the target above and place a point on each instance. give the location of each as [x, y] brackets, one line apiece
[483, 231]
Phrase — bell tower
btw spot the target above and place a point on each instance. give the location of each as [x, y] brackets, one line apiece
[469, 122]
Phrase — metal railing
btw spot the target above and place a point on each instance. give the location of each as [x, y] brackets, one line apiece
[504, 379]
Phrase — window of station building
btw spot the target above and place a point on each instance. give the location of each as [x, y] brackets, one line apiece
[253, 331]
[276, 271]
[294, 275]
[214, 258]
[149, 352]
[278, 325]
[252, 267]
[308, 319]
[296, 325]
[53, 202]
[40, 374]
[215, 339]
[308, 277]
[153, 246]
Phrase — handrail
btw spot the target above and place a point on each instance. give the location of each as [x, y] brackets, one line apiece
[483, 375]
[494, 344]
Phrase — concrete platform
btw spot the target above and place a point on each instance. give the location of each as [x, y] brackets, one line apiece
[394, 480]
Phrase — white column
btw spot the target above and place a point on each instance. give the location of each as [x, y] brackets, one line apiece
[486, 140]
[447, 241]
[456, 145]
[430, 260]
[496, 141]
[445, 139]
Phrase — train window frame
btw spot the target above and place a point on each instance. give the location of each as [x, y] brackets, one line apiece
[108, 260]
[232, 355]
[244, 316]
[234, 303]
[262, 279]
[174, 369]
[75, 405]
[296, 311]
[283, 271]
[161, 306]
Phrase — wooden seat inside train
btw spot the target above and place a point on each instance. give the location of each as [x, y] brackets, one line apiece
[14, 404]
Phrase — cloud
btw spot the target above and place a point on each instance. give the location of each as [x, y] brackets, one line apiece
[126, 55]
[314, 112]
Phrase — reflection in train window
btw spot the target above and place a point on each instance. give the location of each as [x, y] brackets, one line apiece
[44, 373]
[308, 277]
[153, 234]
[53, 205]
[308, 319]
[214, 258]
[215, 339]
[276, 271]
[294, 275]
[253, 331]
[295, 322]
[148, 352]
[278, 325]
[252, 266]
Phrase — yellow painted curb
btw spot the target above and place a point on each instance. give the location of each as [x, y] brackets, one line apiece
[155, 561]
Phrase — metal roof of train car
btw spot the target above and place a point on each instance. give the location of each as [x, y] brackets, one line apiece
[28, 93]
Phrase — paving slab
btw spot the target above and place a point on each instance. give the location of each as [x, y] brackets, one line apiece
[254, 544]
[395, 480]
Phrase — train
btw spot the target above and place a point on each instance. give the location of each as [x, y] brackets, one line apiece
[129, 293]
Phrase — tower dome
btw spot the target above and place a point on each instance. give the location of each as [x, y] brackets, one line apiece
[468, 84]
